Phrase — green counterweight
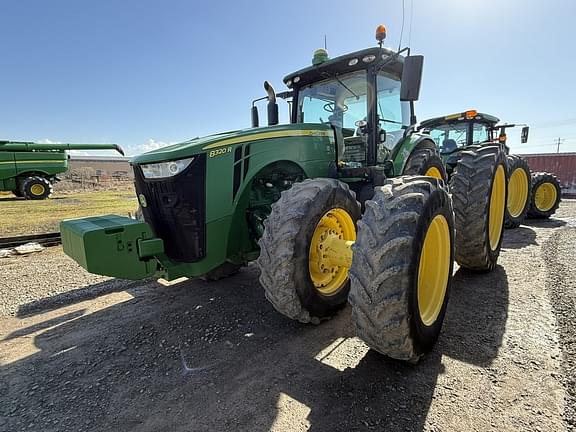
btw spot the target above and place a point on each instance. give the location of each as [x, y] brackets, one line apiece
[29, 169]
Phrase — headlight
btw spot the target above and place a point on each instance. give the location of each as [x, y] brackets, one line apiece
[165, 169]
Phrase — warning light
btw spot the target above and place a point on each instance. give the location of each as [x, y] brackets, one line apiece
[471, 114]
[502, 138]
[380, 33]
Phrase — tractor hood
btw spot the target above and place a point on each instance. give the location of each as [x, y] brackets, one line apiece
[205, 144]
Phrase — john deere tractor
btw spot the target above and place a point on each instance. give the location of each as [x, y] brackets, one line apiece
[29, 169]
[346, 201]
[468, 130]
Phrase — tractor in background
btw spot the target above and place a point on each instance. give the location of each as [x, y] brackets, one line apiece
[529, 195]
[345, 202]
[29, 169]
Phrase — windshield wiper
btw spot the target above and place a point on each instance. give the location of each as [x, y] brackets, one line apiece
[346, 87]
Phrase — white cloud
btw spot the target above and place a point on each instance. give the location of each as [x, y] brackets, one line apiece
[152, 144]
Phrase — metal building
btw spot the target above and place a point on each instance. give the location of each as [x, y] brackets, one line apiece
[563, 165]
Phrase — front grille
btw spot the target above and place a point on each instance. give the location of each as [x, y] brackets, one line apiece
[176, 210]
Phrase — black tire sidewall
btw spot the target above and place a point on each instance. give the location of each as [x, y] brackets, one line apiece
[423, 336]
[316, 303]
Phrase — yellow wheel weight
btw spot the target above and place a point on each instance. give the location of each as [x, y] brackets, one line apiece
[433, 270]
[545, 196]
[517, 192]
[497, 205]
[330, 253]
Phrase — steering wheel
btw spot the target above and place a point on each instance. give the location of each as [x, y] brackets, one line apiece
[331, 107]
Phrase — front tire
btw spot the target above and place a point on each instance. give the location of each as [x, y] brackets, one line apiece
[546, 195]
[425, 162]
[301, 271]
[36, 188]
[402, 267]
[519, 191]
[478, 188]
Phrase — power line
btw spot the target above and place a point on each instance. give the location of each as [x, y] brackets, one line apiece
[402, 28]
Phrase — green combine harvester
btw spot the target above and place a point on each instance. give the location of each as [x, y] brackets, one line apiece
[530, 195]
[345, 202]
[29, 169]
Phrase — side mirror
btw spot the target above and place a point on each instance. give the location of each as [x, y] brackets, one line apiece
[255, 121]
[411, 78]
[524, 134]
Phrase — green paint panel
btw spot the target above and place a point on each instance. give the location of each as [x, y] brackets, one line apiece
[111, 245]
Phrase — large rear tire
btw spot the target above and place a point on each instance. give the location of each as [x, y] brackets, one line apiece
[36, 188]
[302, 274]
[519, 191]
[402, 267]
[478, 188]
[546, 195]
[425, 162]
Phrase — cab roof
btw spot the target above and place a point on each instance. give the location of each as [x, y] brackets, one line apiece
[466, 116]
[341, 65]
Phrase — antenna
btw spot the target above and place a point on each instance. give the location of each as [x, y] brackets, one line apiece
[411, 16]
[325, 43]
[402, 29]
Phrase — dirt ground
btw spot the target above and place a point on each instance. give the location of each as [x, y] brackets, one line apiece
[83, 352]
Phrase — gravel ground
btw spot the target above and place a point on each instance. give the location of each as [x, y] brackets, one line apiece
[83, 352]
[560, 253]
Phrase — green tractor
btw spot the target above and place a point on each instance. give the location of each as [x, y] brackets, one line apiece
[346, 201]
[534, 195]
[29, 169]
[461, 132]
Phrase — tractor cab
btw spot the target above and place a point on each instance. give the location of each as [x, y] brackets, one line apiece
[366, 97]
[455, 132]
[358, 95]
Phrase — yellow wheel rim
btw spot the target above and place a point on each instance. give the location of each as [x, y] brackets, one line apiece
[37, 189]
[545, 196]
[497, 204]
[330, 254]
[433, 270]
[433, 172]
[517, 192]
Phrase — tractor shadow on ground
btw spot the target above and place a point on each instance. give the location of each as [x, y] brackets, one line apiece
[199, 356]
[518, 238]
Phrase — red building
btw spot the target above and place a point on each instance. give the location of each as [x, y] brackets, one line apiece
[563, 165]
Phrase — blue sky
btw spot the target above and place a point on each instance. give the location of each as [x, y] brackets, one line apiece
[140, 72]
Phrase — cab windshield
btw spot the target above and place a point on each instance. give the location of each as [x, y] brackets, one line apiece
[343, 102]
[449, 137]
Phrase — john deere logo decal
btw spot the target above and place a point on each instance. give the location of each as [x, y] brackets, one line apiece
[142, 200]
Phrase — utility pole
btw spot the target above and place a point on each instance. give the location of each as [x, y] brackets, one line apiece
[560, 141]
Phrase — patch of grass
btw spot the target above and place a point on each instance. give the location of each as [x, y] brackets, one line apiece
[21, 217]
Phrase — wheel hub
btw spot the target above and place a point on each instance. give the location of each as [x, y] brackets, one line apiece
[330, 254]
[433, 172]
[545, 196]
[497, 204]
[37, 189]
[517, 192]
[433, 270]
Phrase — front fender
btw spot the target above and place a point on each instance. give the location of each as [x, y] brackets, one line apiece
[404, 148]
